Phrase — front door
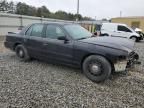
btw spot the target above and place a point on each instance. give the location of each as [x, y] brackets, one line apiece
[55, 49]
[123, 31]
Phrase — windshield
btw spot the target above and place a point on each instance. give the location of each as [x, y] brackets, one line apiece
[130, 29]
[77, 32]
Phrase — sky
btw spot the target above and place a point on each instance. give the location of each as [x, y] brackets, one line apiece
[97, 9]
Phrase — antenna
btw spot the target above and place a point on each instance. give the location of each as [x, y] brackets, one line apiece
[120, 13]
[77, 10]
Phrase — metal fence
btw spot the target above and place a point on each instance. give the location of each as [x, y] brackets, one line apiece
[12, 22]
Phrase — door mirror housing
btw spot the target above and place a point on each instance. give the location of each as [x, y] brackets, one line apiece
[63, 38]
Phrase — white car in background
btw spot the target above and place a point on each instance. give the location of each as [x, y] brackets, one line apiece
[119, 30]
[140, 32]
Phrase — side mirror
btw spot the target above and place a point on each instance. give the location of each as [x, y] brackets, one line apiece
[62, 38]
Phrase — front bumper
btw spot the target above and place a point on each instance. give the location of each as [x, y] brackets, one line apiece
[132, 59]
[125, 64]
[140, 38]
[120, 66]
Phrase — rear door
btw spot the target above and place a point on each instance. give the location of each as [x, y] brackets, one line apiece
[123, 31]
[55, 49]
[34, 40]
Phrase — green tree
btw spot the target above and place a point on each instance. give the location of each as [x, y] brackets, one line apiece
[61, 15]
[3, 5]
[32, 11]
[22, 9]
[43, 11]
[87, 18]
[7, 6]
[39, 12]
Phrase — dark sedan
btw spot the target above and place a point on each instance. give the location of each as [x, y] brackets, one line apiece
[72, 45]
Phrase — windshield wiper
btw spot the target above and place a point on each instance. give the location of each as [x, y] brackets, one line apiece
[83, 38]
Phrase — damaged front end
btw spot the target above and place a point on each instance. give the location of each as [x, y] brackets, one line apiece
[123, 65]
[133, 59]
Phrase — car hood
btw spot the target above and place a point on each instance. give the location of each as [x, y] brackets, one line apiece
[113, 42]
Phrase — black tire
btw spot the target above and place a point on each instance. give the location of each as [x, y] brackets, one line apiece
[22, 53]
[134, 38]
[105, 35]
[102, 65]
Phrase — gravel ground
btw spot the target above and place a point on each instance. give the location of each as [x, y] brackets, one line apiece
[2, 48]
[37, 84]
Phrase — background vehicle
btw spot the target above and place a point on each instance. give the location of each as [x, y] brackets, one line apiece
[140, 32]
[72, 45]
[119, 30]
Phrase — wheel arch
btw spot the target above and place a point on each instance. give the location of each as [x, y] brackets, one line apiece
[16, 44]
[112, 65]
[135, 37]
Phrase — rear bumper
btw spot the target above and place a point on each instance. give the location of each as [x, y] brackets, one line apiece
[8, 45]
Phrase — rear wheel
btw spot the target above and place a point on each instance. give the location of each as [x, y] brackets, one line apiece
[105, 34]
[97, 68]
[22, 53]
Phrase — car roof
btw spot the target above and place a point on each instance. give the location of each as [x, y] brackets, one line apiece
[115, 24]
[56, 23]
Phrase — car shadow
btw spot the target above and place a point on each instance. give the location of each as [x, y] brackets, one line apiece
[74, 70]
[142, 41]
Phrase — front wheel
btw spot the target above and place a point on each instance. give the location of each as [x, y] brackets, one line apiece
[134, 39]
[96, 68]
[105, 35]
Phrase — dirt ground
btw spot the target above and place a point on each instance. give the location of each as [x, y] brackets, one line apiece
[37, 84]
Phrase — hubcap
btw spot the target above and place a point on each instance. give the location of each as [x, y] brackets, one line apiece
[95, 69]
[21, 54]
[133, 38]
